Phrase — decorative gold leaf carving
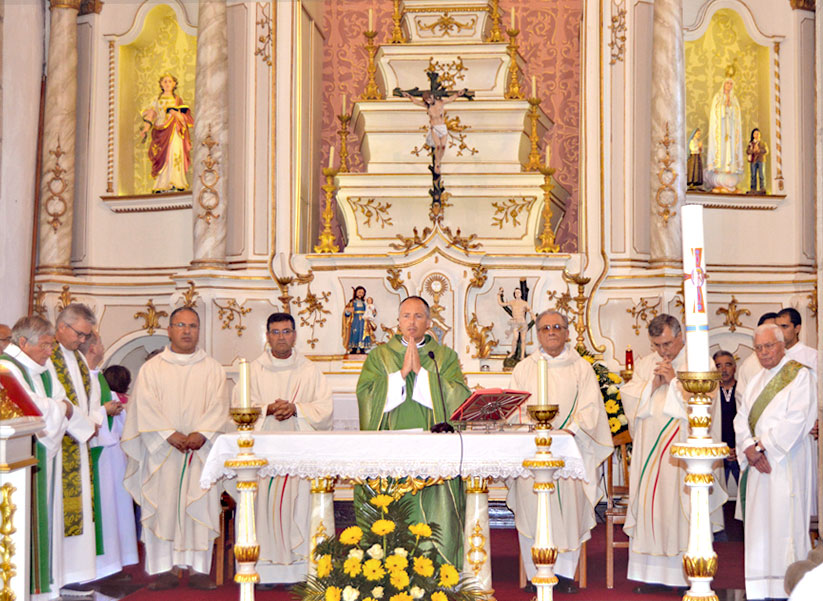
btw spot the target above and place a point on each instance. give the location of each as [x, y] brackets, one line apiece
[479, 276]
[477, 555]
[643, 313]
[231, 311]
[481, 337]
[209, 198]
[666, 197]
[151, 317]
[732, 314]
[464, 243]
[8, 570]
[449, 72]
[65, 299]
[394, 278]
[38, 301]
[408, 244]
[370, 208]
[447, 24]
[264, 40]
[312, 314]
[618, 31]
[510, 210]
[55, 204]
[190, 295]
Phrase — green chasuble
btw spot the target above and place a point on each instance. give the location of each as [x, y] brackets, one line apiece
[444, 504]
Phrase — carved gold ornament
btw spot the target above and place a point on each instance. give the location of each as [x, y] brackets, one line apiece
[481, 337]
[544, 556]
[372, 92]
[397, 36]
[323, 485]
[547, 243]
[534, 162]
[513, 91]
[151, 317]
[643, 313]
[343, 133]
[457, 138]
[398, 488]
[55, 204]
[264, 40]
[476, 554]
[479, 275]
[243, 578]
[38, 301]
[436, 285]
[246, 553]
[464, 243]
[813, 302]
[231, 311]
[618, 31]
[8, 409]
[666, 196]
[209, 198]
[448, 73]
[8, 570]
[682, 450]
[732, 314]
[252, 486]
[190, 295]
[410, 243]
[65, 299]
[700, 567]
[495, 35]
[394, 278]
[510, 210]
[312, 314]
[447, 24]
[540, 486]
[476, 485]
[327, 241]
[700, 421]
[700, 479]
[372, 209]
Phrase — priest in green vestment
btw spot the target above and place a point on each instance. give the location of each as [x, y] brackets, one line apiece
[398, 389]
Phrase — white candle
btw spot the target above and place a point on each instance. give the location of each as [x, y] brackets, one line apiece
[514, 21]
[534, 86]
[694, 289]
[548, 154]
[542, 381]
[331, 157]
[344, 104]
[243, 385]
[371, 20]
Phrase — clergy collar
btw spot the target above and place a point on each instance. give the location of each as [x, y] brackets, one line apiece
[274, 363]
[12, 350]
[563, 357]
[182, 359]
[420, 344]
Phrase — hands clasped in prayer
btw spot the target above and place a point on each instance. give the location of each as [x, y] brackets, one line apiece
[184, 443]
[411, 360]
[663, 374]
[281, 409]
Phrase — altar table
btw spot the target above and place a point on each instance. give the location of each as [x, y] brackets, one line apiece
[324, 456]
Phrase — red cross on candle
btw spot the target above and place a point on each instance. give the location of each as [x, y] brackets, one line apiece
[697, 278]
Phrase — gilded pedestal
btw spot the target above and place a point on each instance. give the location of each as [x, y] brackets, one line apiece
[700, 454]
[321, 522]
[476, 542]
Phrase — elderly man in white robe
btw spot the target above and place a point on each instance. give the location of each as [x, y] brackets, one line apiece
[293, 395]
[657, 520]
[777, 457]
[573, 387]
[179, 407]
[27, 359]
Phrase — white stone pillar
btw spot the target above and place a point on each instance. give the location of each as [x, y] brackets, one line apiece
[668, 123]
[210, 137]
[59, 127]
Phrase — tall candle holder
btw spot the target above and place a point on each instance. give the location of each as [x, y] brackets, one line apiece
[285, 281]
[326, 238]
[543, 465]
[372, 92]
[495, 35]
[513, 92]
[534, 154]
[547, 243]
[343, 132]
[700, 454]
[579, 280]
[397, 36]
[246, 464]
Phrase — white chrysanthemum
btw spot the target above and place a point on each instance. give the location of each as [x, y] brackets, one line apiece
[350, 594]
[416, 592]
[401, 551]
[377, 592]
[622, 419]
[357, 554]
[611, 390]
[375, 551]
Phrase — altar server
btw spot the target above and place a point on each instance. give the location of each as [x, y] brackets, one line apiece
[657, 521]
[777, 457]
[293, 395]
[179, 407]
[573, 387]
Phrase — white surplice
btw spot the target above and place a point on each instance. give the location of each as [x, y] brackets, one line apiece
[777, 504]
[574, 388]
[657, 520]
[283, 502]
[183, 393]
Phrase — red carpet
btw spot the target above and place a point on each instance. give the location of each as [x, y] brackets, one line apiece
[505, 574]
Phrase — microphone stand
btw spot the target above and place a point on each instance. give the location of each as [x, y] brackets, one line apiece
[443, 426]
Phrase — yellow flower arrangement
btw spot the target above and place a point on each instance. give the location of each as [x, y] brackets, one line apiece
[333, 593]
[352, 567]
[448, 576]
[351, 535]
[382, 527]
[437, 596]
[614, 424]
[324, 566]
[424, 566]
[421, 530]
[399, 579]
[612, 406]
[373, 569]
[396, 562]
[382, 501]
[615, 378]
[401, 597]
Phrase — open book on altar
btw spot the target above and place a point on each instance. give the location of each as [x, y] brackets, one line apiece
[490, 405]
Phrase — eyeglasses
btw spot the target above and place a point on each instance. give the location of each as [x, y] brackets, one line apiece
[555, 327]
[286, 332]
[186, 326]
[81, 335]
[759, 348]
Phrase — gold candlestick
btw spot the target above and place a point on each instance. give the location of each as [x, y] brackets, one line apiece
[284, 281]
[343, 132]
[580, 300]
[495, 35]
[397, 36]
[534, 154]
[547, 244]
[326, 237]
[513, 92]
[372, 91]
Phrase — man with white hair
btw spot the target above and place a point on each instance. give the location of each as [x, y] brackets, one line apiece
[777, 456]
[573, 387]
[27, 359]
[657, 520]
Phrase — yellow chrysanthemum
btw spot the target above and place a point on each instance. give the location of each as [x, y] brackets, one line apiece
[396, 562]
[614, 424]
[611, 406]
[382, 501]
[399, 579]
[589, 358]
[373, 569]
[382, 527]
[401, 597]
[614, 377]
[352, 567]
[439, 596]
[423, 566]
[351, 535]
[448, 576]
[324, 566]
[421, 529]
[333, 594]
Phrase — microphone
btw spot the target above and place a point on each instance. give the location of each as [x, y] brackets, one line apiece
[443, 426]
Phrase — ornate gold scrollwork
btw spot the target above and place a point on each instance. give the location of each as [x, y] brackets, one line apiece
[372, 209]
[689, 451]
[8, 409]
[643, 313]
[190, 295]
[732, 314]
[228, 313]
[510, 210]
[446, 23]
[476, 554]
[65, 299]
[449, 72]
[410, 243]
[479, 275]
[151, 317]
[313, 313]
[399, 487]
[38, 301]
[55, 204]
[209, 198]
[394, 278]
[8, 570]
[666, 196]
[481, 337]
[618, 31]
[264, 22]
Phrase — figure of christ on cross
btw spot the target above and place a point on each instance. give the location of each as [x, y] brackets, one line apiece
[433, 100]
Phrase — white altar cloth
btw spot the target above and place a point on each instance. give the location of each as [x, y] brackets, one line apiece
[361, 455]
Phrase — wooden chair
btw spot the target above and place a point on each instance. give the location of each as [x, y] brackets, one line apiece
[616, 512]
[224, 544]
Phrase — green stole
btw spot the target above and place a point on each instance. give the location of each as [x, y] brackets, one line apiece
[105, 396]
[783, 378]
[40, 555]
[72, 484]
